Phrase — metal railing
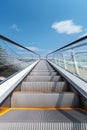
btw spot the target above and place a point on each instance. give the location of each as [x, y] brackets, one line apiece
[72, 57]
[14, 57]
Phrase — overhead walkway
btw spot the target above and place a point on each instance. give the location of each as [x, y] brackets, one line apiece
[43, 96]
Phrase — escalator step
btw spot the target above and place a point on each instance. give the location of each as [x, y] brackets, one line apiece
[43, 73]
[43, 78]
[44, 86]
[44, 100]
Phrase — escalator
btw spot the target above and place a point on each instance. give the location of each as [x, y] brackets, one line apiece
[44, 101]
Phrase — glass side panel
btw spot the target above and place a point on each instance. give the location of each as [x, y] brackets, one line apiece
[13, 59]
[72, 58]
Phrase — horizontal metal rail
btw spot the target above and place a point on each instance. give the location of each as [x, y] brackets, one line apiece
[71, 62]
[15, 43]
[14, 57]
[69, 45]
[72, 57]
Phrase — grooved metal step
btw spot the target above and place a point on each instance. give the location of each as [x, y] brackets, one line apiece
[40, 70]
[44, 126]
[44, 86]
[44, 116]
[43, 78]
[43, 73]
[44, 100]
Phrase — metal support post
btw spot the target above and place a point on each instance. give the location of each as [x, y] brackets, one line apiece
[75, 63]
[64, 60]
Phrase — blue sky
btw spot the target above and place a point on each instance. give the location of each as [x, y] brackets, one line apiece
[43, 25]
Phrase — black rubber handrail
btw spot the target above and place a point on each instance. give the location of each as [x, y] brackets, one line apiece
[17, 44]
[68, 45]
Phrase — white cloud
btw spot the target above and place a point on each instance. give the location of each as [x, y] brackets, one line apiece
[67, 27]
[15, 27]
